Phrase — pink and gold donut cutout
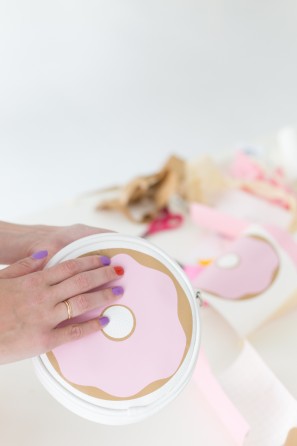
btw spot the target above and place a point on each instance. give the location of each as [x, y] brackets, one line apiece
[246, 270]
[146, 341]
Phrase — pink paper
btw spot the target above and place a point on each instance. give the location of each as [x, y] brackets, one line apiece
[214, 394]
[155, 349]
[254, 272]
[193, 271]
[217, 221]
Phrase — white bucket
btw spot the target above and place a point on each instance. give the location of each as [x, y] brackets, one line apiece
[145, 355]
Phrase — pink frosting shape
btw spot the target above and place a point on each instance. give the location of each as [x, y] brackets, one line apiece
[154, 350]
[258, 263]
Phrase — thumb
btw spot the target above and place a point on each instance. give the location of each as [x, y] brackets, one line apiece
[25, 266]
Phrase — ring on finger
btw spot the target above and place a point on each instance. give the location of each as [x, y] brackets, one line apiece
[69, 308]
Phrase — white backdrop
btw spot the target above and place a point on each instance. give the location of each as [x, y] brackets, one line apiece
[93, 92]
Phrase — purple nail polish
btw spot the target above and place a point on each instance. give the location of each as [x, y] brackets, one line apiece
[39, 255]
[105, 260]
[104, 320]
[117, 290]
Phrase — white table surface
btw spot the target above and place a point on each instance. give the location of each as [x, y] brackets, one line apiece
[29, 416]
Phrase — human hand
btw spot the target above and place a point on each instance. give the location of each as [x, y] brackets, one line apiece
[23, 241]
[32, 302]
[56, 237]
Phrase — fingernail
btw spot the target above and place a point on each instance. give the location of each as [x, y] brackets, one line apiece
[119, 270]
[117, 290]
[104, 320]
[105, 260]
[39, 255]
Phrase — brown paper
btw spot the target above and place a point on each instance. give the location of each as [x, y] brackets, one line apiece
[205, 181]
[201, 181]
[142, 198]
[292, 438]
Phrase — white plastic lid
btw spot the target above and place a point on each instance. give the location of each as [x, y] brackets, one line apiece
[145, 355]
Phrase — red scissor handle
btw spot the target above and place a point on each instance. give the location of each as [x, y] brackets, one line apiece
[164, 222]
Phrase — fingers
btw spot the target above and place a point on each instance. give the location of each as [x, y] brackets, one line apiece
[75, 332]
[85, 281]
[69, 268]
[88, 301]
[25, 266]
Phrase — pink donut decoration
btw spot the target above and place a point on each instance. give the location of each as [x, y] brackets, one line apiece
[246, 270]
[145, 348]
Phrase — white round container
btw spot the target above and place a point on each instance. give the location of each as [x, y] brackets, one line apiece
[156, 333]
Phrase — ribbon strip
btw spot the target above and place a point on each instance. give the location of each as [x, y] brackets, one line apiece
[210, 387]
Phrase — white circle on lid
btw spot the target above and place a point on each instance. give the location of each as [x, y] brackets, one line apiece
[121, 322]
[228, 261]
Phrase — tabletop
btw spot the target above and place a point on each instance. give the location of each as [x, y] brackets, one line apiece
[29, 415]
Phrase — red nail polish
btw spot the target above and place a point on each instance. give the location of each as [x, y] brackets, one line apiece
[119, 270]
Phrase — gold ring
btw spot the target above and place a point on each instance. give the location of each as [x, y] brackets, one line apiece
[69, 308]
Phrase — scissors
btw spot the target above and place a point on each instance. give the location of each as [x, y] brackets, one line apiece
[163, 222]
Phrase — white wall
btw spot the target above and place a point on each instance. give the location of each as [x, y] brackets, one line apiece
[93, 92]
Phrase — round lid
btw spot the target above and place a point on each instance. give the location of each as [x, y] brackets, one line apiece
[145, 355]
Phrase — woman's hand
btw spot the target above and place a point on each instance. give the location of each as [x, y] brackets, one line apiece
[32, 302]
[55, 238]
[20, 241]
